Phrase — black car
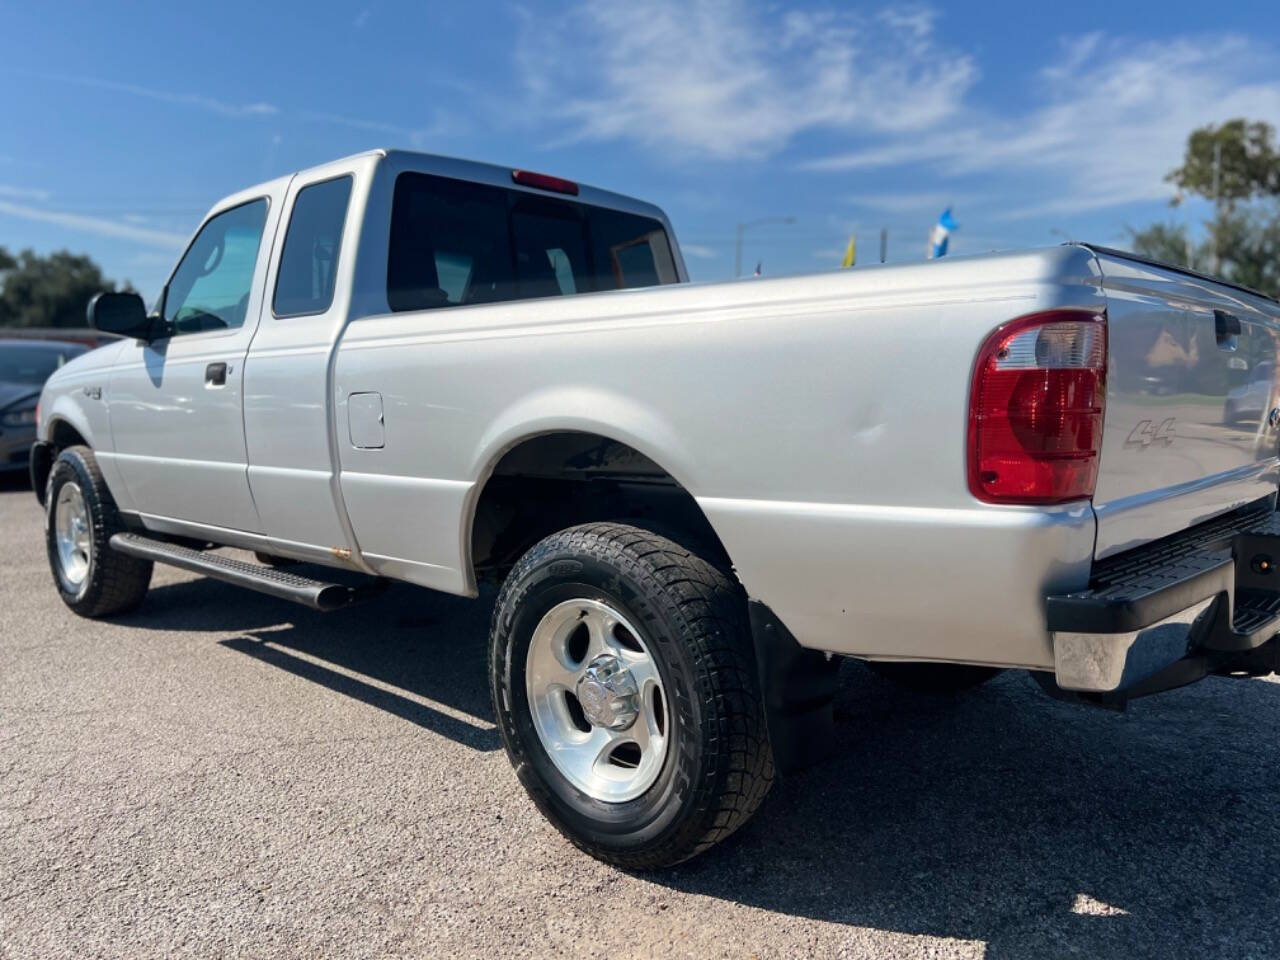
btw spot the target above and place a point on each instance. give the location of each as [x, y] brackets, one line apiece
[24, 367]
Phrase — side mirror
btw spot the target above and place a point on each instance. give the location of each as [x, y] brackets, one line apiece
[122, 313]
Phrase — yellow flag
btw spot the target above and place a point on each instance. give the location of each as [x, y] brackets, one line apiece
[851, 253]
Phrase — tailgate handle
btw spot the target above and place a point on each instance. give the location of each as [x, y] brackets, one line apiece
[1226, 328]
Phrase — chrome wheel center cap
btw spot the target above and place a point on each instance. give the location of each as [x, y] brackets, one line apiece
[608, 694]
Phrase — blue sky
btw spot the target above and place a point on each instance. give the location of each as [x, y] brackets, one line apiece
[122, 124]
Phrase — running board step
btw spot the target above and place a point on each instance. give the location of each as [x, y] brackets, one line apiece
[277, 583]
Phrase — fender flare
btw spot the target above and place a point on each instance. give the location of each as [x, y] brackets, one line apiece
[570, 410]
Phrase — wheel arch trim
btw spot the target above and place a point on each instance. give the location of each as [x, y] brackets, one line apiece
[612, 417]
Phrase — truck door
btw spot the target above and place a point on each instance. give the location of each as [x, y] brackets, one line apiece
[176, 403]
[288, 384]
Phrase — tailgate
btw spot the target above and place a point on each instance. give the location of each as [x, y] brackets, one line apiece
[1189, 430]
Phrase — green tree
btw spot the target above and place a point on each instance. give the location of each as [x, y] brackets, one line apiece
[1168, 243]
[50, 291]
[1248, 243]
[1234, 162]
[1236, 166]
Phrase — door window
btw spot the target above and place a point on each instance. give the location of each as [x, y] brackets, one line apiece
[210, 288]
[454, 242]
[309, 263]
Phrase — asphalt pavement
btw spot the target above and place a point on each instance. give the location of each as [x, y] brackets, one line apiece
[221, 774]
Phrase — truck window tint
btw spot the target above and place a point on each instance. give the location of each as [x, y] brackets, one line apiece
[563, 268]
[630, 251]
[454, 242]
[449, 244]
[454, 272]
[210, 288]
[550, 234]
[309, 260]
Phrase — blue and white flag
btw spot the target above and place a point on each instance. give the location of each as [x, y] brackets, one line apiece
[940, 234]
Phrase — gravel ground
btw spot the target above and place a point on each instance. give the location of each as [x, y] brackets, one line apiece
[222, 774]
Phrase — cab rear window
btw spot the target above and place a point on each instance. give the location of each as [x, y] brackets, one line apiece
[454, 242]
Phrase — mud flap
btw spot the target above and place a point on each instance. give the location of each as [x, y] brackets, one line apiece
[798, 689]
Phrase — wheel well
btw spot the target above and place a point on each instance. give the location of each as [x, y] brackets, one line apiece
[557, 480]
[61, 436]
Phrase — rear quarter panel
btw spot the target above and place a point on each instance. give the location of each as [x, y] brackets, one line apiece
[819, 421]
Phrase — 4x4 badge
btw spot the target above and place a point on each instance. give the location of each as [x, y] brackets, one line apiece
[1145, 433]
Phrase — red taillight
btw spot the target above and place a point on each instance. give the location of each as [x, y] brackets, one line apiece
[1035, 409]
[527, 178]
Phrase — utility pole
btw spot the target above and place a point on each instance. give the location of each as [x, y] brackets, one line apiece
[884, 243]
[743, 228]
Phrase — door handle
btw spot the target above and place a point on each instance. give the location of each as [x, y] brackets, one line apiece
[1226, 329]
[215, 375]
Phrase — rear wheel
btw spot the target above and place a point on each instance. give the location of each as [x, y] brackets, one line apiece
[933, 678]
[92, 579]
[624, 684]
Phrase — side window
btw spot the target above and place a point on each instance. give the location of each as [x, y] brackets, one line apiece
[309, 259]
[630, 251]
[210, 288]
[551, 247]
[454, 242]
[450, 244]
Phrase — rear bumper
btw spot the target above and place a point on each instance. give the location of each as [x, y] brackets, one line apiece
[1204, 600]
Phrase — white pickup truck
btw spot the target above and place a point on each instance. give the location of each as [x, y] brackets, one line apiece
[697, 498]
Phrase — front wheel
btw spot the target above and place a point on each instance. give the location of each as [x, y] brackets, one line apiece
[625, 689]
[92, 579]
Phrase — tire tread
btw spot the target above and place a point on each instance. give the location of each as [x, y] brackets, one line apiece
[118, 582]
[738, 769]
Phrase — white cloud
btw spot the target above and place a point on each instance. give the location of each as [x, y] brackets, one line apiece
[222, 107]
[358, 123]
[441, 126]
[725, 79]
[94, 225]
[1112, 122]
[898, 203]
[699, 251]
[23, 193]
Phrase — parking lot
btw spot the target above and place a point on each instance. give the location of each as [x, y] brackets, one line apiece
[223, 774]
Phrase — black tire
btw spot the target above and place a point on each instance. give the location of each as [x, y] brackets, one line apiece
[718, 766]
[114, 582]
[935, 679]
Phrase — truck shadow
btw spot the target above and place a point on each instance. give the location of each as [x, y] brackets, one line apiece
[400, 653]
[1037, 828]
